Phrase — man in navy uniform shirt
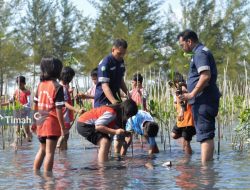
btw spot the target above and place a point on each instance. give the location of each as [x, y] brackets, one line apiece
[110, 80]
[203, 93]
[111, 75]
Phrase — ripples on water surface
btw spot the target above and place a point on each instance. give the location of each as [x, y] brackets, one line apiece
[77, 169]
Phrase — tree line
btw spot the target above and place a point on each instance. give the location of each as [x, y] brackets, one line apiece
[31, 29]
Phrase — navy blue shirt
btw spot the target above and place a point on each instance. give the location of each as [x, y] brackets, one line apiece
[203, 60]
[109, 71]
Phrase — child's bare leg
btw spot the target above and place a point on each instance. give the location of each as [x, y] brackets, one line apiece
[117, 147]
[187, 148]
[39, 157]
[49, 155]
[16, 137]
[104, 144]
[27, 132]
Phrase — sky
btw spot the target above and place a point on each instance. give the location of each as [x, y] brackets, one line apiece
[89, 10]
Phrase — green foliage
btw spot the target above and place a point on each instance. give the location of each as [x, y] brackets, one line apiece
[137, 22]
[242, 138]
[156, 109]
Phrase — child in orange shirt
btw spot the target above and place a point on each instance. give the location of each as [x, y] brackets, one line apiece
[185, 125]
[49, 101]
[66, 77]
[97, 124]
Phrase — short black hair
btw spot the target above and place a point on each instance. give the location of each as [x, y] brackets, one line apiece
[129, 108]
[20, 79]
[137, 77]
[188, 34]
[178, 77]
[120, 43]
[94, 72]
[67, 74]
[151, 128]
[50, 68]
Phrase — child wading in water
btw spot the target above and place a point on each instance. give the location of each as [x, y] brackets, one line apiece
[22, 97]
[66, 77]
[185, 124]
[97, 124]
[142, 124]
[49, 101]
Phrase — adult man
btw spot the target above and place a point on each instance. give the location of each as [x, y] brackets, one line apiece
[110, 80]
[111, 75]
[203, 92]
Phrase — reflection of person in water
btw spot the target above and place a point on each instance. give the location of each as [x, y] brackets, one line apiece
[187, 174]
[195, 176]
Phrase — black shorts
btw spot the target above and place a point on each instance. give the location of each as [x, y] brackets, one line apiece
[88, 131]
[42, 140]
[186, 132]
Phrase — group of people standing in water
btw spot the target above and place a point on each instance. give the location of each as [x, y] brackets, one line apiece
[115, 117]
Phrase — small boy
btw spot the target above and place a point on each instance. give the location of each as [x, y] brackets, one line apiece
[185, 125]
[142, 124]
[138, 93]
[22, 97]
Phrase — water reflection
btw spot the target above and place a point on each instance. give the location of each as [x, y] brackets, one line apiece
[195, 176]
[77, 168]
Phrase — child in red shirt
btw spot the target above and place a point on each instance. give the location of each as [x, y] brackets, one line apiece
[66, 77]
[22, 97]
[97, 124]
[49, 101]
[138, 93]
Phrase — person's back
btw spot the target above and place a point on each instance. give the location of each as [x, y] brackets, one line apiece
[48, 101]
[46, 104]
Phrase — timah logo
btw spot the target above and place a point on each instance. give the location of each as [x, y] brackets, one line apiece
[15, 118]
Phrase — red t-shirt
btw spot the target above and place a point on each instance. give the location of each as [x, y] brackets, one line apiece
[21, 96]
[103, 115]
[49, 96]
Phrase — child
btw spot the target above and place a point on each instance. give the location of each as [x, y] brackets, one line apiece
[138, 93]
[90, 94]
[91, 90]
[22, 97]
[66, 77]
[49, 101]
[142, 124]
[185, 124]
[96, 124]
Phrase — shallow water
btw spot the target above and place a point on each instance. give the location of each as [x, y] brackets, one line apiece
[77, 168]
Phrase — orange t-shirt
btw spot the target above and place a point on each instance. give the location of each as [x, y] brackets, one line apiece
[103, 115]
[49, 96]
[188, 116]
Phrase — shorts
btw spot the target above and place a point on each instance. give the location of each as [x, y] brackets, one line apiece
[119, 137]
[88, 131]
[204, 120]
[42, 140]
[186, 132]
